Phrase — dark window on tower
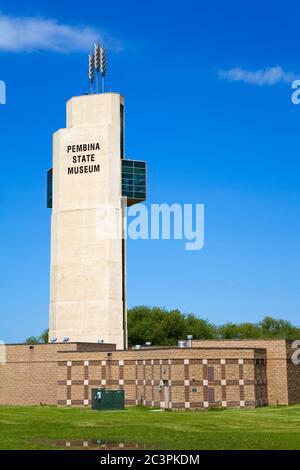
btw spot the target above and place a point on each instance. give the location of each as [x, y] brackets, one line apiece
[211, 374]
[134, 179]
[122, 130]
[49, 188]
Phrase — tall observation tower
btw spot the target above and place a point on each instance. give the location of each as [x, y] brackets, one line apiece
[87, 187]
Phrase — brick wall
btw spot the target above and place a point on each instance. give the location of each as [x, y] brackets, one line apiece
[32, 372]
[293, 374]
[29, 375]
[277, 369]
[195, 378]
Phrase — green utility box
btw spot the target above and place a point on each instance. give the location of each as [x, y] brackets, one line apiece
[103, 399]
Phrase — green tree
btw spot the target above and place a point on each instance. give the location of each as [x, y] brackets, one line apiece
[154, 324]
[173, 327]
[42, 339]
[31, 340]
[164, 327]
[199, 328]
[239, 331]
[272, 328]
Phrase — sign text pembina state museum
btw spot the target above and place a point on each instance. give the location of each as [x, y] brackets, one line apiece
[83, 158]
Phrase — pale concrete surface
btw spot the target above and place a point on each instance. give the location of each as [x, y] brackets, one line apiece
[86, 267]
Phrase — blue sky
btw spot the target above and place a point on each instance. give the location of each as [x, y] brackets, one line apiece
[208, 105]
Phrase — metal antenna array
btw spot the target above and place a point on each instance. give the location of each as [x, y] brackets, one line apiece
[97, 55]
[97, 61]
[103, 65]
[91, 71]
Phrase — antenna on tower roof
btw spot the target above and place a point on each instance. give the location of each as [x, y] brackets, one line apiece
[97, 55]
[97, 61]
[103, 64]
[91, 70]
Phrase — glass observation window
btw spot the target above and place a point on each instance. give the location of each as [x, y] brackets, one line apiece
[134, 180]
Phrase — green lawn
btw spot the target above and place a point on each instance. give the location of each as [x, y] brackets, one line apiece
[263, 428]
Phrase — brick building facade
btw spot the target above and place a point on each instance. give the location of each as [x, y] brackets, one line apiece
[210, 374]
[283, 377]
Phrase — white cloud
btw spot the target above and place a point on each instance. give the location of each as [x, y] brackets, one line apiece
[28, 34]
[268, 76]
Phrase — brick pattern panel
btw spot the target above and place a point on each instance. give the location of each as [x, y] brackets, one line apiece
[195, 378]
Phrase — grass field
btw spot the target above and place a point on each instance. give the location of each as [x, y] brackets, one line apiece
[51, 428]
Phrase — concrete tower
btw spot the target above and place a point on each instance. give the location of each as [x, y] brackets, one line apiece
[89, 177]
